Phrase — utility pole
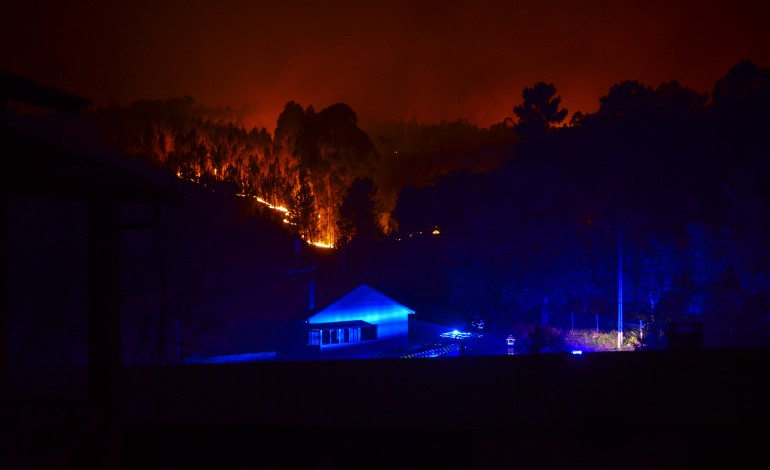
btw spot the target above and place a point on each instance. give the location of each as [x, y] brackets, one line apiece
[620, 288]
[178, 344]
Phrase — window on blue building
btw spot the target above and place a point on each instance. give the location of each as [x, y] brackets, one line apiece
[314, 337]
[352, 334]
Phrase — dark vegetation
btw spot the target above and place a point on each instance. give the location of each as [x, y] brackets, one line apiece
[684, 178]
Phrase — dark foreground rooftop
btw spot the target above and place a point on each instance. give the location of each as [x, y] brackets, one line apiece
[658, 409]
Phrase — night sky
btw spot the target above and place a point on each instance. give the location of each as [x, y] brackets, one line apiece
[427, 60]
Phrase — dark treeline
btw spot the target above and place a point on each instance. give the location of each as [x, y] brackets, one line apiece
[416, 154]
[682, 178]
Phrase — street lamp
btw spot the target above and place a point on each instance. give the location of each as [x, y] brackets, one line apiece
[620, 288]
[620, 285]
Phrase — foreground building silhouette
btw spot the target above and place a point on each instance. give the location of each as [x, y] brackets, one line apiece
[37, 168]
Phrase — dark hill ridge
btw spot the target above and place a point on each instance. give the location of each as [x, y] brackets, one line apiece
[214, 263]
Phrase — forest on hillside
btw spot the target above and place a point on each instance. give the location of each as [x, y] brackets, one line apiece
[307, 166]
[524, 221]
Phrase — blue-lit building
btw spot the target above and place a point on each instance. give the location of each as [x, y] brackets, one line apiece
[346, 324]
[359, 324]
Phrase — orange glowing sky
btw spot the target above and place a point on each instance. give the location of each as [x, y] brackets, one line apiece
[427, 60]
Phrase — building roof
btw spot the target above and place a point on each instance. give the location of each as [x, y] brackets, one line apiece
[41, 168]
[365, 295]
[341, 324]
[34, 166]
[24, 90]
[361, 296]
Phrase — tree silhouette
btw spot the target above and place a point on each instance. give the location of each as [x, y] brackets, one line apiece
[627, 99]
[302, 212]
[358, 213]
[746, 85]
[540, 109]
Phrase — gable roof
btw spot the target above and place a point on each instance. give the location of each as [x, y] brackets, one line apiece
[361, 296]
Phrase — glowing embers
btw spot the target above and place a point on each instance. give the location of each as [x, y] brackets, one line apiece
[196, 179]
[310, 242]
[271, 206]
[285, 211]
[276, 207]
[286, 220]
[435, 231]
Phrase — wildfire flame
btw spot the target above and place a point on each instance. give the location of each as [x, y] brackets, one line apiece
[279, 208]
[271, 206]
[321, 244]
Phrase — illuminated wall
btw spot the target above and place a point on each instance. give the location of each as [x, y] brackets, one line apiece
[368, 305]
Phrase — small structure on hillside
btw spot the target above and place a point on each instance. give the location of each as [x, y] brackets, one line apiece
[362, 320]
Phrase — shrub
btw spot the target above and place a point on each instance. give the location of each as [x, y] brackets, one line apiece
[543, 339]
[590, 340]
